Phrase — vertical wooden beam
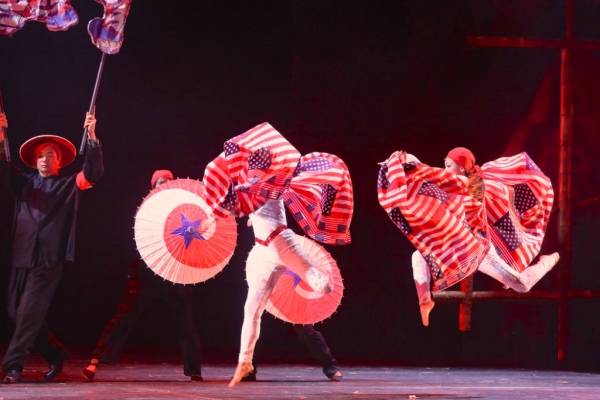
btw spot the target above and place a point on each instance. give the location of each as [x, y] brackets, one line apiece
[564, 185]
[466, 306]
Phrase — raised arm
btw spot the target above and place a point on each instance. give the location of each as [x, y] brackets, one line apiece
[9, 174]
[93, 165]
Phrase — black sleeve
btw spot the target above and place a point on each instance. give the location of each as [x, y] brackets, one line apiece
[93, 165]
[10, 176]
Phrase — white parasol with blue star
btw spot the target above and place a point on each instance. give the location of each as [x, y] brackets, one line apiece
[177, 236]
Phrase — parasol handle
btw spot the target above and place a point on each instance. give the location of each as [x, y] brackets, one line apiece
[93, 103]
[4, 132]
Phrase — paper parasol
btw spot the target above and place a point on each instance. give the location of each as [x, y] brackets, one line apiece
[178, 238]
[292, 300]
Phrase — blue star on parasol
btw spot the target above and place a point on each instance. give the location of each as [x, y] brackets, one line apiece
[296, 277]
[188, 230]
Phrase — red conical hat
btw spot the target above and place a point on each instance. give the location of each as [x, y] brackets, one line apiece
[67, 149]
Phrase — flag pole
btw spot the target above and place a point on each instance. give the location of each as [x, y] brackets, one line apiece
[4, 132]
[93, 103]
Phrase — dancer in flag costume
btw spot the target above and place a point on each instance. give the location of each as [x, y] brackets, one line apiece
[276, 249]
[464, 218]
[259, 173]
[261, 164]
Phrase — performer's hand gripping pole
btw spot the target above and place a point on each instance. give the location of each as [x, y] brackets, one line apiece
[93, 103]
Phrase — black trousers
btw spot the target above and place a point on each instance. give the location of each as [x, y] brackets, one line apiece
[29, 294]
[316, 344]
[142, 289]
[314, 340]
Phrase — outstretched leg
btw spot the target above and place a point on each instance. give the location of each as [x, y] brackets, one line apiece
[293, 257]
[520, 282]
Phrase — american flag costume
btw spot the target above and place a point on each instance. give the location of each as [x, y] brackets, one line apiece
[58, 15]
[258, 174]
[261, 164]
[452, 230]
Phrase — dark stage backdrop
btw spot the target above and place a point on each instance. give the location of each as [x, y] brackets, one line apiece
[359, 79]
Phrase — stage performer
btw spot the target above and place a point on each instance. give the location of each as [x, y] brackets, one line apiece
[318, 348]
[464, 218]
[275, 250]
[44, 239]
[143, 288]
[257, 173]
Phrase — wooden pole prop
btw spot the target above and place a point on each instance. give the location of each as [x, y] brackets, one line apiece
[564, 186]
[4, 132]
[93, 103]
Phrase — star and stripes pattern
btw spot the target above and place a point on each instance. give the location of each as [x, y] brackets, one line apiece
[255, 166]
[321, 199]
[58, 15]
[454, 231]
[429, 205]
[519, 199]
[107, 32]
[261, 164]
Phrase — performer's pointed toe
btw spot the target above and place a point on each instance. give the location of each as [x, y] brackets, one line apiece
[243, 369]
[425, 310]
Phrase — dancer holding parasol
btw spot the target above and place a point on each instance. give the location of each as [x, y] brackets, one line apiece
[144, 286]
[259, 173]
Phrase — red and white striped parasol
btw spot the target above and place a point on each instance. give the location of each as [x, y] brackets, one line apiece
[292, 299]
[177, 236]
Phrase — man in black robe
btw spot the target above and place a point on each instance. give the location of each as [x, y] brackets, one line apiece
[43, 239]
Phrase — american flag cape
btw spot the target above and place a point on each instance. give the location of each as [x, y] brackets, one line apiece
[255, 166]
[261, 164]
[518, 202]
[58, 15]
[451, 229]
[321, 199]
[107, 32]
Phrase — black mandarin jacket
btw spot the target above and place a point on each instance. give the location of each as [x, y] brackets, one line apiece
[46, 208]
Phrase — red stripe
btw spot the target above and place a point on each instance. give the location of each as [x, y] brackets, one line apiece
[444, 237]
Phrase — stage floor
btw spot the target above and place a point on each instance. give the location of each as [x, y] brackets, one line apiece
[147, 380]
